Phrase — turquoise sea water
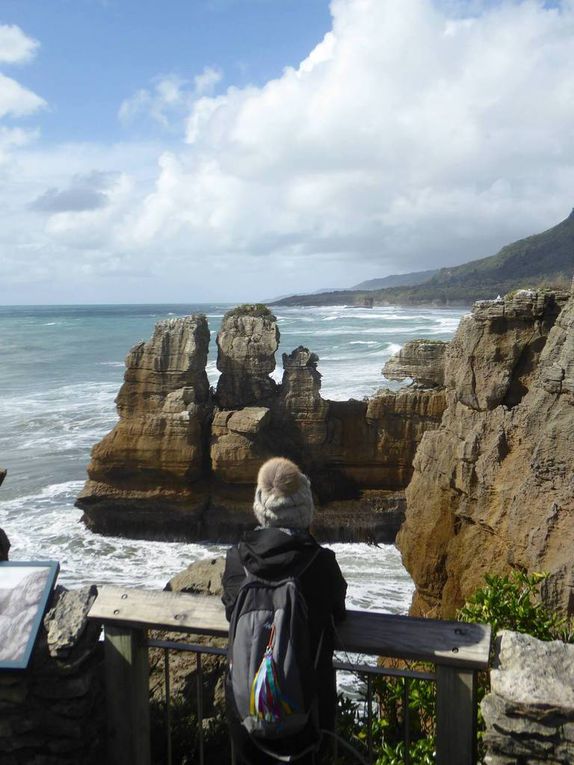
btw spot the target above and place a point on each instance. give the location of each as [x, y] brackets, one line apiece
[60, 369]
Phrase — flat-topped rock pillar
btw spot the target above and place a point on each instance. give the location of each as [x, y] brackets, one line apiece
[246, 343]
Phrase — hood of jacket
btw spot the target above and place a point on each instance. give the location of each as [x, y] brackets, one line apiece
[273, 553]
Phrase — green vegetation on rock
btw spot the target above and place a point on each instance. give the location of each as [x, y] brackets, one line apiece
[250, 309]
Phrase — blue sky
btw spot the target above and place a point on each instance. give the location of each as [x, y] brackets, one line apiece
[240, 149]
[96, 53]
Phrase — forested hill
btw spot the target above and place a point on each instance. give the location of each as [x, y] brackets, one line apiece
[539, 260]
[395, 280]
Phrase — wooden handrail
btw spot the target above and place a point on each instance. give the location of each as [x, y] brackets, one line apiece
[457, 649]
[450, 643]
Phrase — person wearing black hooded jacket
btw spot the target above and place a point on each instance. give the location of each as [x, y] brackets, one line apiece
[280, 547]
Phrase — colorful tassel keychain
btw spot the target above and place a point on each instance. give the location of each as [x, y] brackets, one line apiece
[267, 701]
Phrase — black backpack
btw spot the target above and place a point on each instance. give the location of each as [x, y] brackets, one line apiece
[272, 675]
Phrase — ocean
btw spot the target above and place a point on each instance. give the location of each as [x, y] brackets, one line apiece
[60, 370]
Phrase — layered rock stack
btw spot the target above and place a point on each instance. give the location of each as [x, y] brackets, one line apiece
[529, 714]
[301, 402]
[246, 342]
[493, 485]
[182, 463]
[156, 453]
[172, 361]
[246, 346]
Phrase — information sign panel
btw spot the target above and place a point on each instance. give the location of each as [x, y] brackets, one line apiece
[24, 591]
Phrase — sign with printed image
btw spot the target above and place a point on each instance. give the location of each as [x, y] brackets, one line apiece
[24, 591]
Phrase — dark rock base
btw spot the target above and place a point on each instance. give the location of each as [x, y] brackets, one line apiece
[375, 518]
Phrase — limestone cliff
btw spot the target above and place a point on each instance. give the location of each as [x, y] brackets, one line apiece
[182, 463]
[493, 487]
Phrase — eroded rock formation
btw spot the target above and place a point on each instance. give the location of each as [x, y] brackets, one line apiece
[200, 578]
[182, 464]
[246, 342]
[419, 360]
[156, 452]
[493, 487]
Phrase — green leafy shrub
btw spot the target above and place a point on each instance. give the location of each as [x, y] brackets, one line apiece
[421, 752]
[512, 602]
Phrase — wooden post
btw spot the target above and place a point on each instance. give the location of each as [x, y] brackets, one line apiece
[127, 696]
[456, 716]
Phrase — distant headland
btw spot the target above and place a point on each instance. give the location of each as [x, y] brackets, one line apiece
[541, 260]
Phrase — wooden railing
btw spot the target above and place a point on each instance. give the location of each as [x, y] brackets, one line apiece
[457, 650]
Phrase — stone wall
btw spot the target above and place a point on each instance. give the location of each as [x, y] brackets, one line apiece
[53, 712]
[529, 714]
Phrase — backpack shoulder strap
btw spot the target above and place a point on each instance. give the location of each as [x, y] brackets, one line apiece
[308, 563]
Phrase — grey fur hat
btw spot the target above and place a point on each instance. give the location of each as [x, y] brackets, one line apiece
[283, 497]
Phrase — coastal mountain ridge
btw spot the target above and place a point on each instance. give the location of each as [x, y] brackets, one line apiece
[395, 280]
[544, 259]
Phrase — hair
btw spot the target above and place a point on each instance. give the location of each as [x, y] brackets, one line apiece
[279, 476]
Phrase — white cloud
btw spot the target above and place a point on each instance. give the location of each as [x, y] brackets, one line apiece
[391, 141]
[169, 98]
[410, 137]
[204, 83]
[12, 138]
[15, 46]
[16, 100]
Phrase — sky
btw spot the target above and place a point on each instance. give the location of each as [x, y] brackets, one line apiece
[236, 150]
